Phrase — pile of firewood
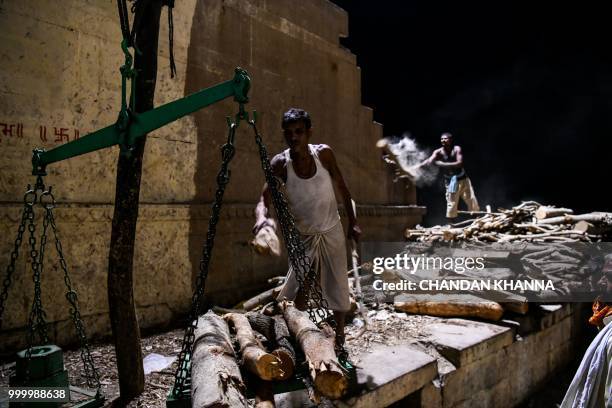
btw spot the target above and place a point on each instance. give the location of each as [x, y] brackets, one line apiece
[262, 346]
[527, 222]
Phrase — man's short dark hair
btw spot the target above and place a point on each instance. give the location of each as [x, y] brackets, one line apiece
[294, 115]
[449, 135]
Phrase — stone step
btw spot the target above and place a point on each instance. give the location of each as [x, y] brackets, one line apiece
[464, 341]
[390, 373]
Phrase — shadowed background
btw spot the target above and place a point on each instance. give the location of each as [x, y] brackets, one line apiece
[525, 87]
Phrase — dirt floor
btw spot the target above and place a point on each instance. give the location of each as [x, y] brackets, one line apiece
[385, 326]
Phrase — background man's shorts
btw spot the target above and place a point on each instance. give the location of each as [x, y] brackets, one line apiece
[464, 191]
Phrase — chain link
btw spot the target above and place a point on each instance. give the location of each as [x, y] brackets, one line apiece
[36, 321]
[91, 374]
[10, 269]
[227, 153]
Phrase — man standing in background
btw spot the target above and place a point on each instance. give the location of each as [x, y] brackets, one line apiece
[449, 158]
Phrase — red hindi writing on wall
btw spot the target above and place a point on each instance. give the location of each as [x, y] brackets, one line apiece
[11, 130]
[61, 134]
[46, 134]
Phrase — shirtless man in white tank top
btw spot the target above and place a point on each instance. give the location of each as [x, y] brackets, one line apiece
[309, 173]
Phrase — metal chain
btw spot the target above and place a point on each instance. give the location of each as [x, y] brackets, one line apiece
[36, 313]
[93, 379]
[227, 153]
[36, 319]
[124, 21]
[10, 269]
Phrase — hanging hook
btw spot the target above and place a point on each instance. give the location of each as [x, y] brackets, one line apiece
[40, 185]
[30, 196]
[47, 200]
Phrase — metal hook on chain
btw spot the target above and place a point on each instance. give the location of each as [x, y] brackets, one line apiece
[30, 197]
[40, 185]
[47, 200]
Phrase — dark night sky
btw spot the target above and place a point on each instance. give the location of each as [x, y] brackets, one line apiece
[525, 87]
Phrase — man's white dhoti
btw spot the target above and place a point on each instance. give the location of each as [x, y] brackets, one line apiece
[313, 204]
[327, 253]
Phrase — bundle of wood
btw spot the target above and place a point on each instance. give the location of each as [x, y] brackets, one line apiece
[266, 351]
[527, 222]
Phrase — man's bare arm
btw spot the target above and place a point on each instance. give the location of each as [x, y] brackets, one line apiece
[431, 159]
[328, 159]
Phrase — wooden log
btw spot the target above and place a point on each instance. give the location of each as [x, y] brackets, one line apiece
[560, 235]
[572, 219]
[477, 212]
[325, 370]
[261, 299]
[449, 306]
[254, 357]
[589, 228]
[544, 212]
[277, 280]
[220, 310]
[215, 376]
[266, 241]
[390, 157]
[584, 227]
[450, 234]
[262, 324]
[275, 330]
[283, 346]
[528, 204]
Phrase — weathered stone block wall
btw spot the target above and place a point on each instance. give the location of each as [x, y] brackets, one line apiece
[506, 373]
[59, 80]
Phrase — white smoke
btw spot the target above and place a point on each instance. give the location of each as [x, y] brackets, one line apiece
[407, 154]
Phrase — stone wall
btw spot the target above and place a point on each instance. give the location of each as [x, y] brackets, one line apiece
[60, 80]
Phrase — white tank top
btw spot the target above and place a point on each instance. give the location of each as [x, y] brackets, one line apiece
[312, 200]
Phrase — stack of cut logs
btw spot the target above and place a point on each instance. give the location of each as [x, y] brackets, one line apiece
[529, 222]
[265, 349]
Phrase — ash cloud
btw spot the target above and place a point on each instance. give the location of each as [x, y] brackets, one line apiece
[407, 154]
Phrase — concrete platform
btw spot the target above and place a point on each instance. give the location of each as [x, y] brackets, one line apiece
[463, 341]
[388, 374]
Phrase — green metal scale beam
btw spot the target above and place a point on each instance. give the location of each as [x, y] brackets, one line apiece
[143, 123]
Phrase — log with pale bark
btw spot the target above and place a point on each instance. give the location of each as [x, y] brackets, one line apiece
[390, 157]
[584, 227]
[572, 219]
[266, 241]
[254, 357]
[215, 377]
[275, 330]
[262, 298]
[325, 370]
[545, 211]
[449, 306]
